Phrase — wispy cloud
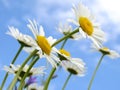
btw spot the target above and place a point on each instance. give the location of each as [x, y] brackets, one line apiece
[111, 8]
[53, 10]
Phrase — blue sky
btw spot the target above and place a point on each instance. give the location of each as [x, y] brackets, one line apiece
[49, 14]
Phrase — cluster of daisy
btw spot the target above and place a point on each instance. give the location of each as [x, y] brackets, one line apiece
[40, 46]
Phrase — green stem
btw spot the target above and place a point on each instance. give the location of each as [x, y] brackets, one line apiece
[14, 59]
[20, 49]
[58, 41]
[53, 70]
[64, 43]
[49, 78]
[30, 66]
[68, 78]
[66, 36]
[94, 73]
[20, 69]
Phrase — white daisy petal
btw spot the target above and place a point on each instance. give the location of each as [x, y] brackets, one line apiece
[15, 68]
[66, 29]
[22, 38]
[35, 86]
[41, 31]
[51, 40]
[73, 21]
[74, 67]
[38, 71]
[32, 27]
[9, 70]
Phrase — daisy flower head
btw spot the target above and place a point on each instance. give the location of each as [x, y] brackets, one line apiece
[26, 40]
[75, 66]
[106, 51]
[35, 86]
[43, 44]
[34, 71]
[66, 29]
[87, 25]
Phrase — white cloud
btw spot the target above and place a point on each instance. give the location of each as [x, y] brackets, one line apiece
[112, 8]
[108, 14]
[60, 2]
[54, 9]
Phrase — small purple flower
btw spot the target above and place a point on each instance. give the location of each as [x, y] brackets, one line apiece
[30, 81]
[15, 87]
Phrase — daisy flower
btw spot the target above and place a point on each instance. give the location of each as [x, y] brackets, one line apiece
[106, 51]
[66, 29]
[73, 65]
[14, 69]
[87, 25]
[26, 40]
[43, 44]
[35, 86]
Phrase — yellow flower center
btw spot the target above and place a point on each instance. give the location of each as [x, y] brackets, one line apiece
[105, 50]
[44, 44]
[86, 25]
[64, 52]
